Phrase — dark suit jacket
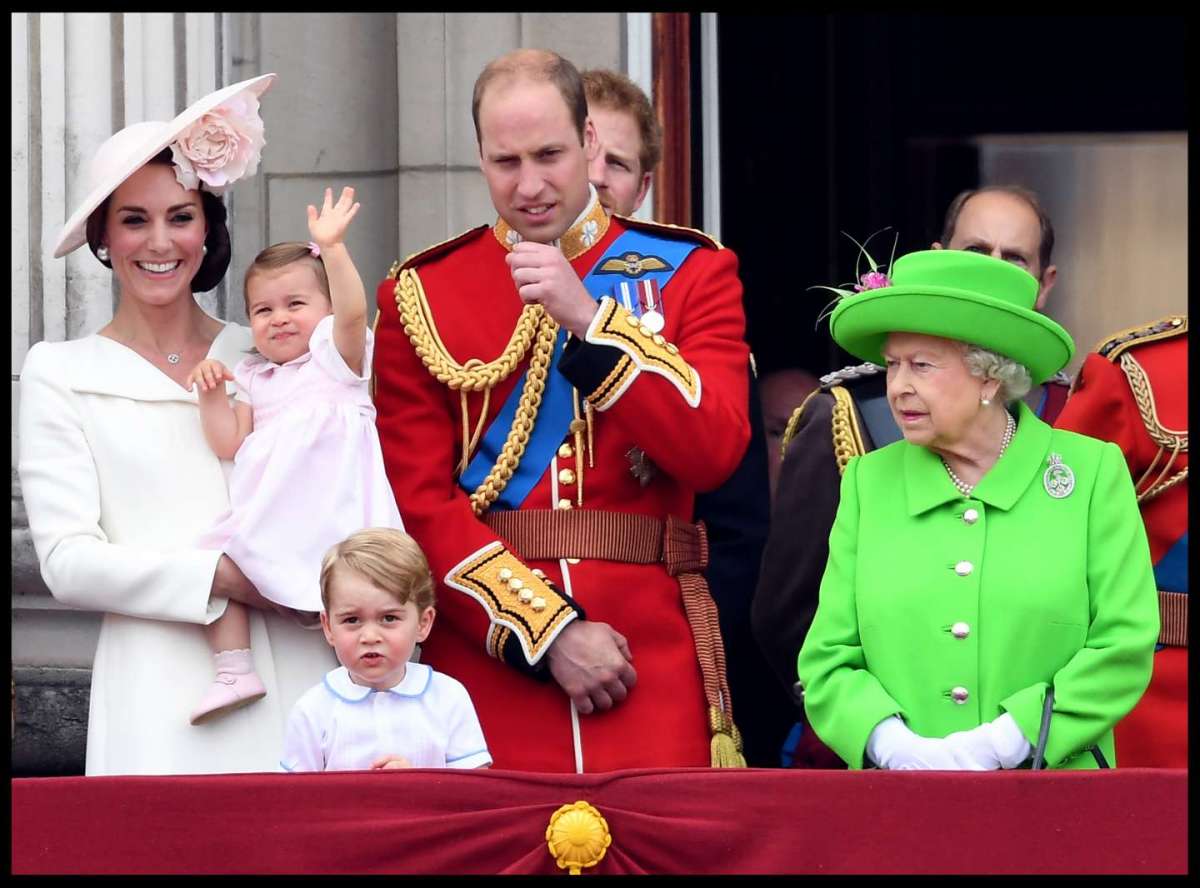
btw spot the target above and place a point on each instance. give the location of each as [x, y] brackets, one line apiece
[736, 515]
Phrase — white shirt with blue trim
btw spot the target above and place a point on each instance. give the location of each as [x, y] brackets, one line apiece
[340, 726]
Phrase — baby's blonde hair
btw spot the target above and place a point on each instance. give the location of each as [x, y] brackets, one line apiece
[279, 256]
[389, 559]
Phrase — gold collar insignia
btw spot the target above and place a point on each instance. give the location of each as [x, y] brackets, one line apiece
[583, 234]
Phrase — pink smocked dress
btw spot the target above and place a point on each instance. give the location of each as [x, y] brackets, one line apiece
[309, 475]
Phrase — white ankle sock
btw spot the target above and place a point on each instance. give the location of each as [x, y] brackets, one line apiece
[238, 662]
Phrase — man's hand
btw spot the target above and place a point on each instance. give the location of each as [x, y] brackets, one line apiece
[544, 276]
[390, 761]
[591, 663]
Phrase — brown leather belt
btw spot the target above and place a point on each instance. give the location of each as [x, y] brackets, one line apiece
[1172, 614]
[609, 536]
[549, 534]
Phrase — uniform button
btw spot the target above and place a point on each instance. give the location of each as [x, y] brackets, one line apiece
[566, 451]
[671, 349]
[963, 568]
[572, 561]
[658, 339]
[564, 503]
[538, 604]
[632, 320]
[960, 695]
[960, 630]
[526, 596]
[538, 573]
[566, 476]
[505, 574]
[645, 331]
[515, 584]
[971, 516]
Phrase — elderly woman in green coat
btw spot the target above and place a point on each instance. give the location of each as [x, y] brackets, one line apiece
[987, 559]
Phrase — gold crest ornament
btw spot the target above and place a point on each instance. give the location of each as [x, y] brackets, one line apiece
[633, 265]
[577, 837]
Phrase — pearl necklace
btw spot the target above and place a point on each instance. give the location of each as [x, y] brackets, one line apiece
[963, 487]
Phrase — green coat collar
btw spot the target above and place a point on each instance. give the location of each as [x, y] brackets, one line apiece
[927, 485]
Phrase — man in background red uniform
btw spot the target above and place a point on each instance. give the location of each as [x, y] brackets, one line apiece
[1132, 390]
[552, 390]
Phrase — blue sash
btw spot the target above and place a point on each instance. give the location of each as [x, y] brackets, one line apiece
[1171, 572]
[557, 410]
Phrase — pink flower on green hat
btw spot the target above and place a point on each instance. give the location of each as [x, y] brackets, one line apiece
[872, 280]
[221, 147]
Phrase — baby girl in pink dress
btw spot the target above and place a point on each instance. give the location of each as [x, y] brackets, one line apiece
[308, 470]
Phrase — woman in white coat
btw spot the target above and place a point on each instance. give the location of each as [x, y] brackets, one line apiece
[118, 479]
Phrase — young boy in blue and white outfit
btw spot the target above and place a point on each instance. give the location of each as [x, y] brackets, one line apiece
[378, 710]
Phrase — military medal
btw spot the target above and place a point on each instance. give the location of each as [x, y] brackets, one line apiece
[640, 465]
[1058, 480]
[648, 296]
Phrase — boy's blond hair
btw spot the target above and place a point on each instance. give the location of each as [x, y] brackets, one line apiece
[389, 559]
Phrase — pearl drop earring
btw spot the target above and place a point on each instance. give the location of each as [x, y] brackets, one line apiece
[102, 253]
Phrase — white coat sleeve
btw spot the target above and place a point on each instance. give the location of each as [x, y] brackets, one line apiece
[62, 497]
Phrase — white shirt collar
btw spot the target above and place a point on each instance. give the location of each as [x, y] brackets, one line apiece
[416, 679]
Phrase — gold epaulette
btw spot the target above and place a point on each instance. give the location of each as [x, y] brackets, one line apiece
[434, 251]
[1164, 328]
[674, 230]
[793, 422]
[847, 435]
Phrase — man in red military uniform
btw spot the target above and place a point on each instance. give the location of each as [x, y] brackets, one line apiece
[1133, 390]
[551, 392]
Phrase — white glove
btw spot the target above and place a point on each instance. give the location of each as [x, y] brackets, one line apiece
[894, 746]
[995, 744]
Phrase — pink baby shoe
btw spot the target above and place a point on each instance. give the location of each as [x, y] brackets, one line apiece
[235, 685]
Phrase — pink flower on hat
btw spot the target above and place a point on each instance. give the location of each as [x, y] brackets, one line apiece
[872, 280]
[221, 147]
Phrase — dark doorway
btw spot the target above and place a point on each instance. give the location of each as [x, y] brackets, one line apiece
[853, 123]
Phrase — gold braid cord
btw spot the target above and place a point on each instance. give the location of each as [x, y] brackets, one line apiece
[527, 410]
[847, 436]
[793, 423]
[1168, 440]
[534, 328]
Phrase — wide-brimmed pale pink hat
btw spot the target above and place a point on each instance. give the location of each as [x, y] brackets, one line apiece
[214, 142]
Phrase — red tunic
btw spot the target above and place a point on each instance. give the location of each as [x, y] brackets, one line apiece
[530, 724]
[1103, 405]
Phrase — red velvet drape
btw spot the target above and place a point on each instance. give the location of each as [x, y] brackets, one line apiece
[661, 821]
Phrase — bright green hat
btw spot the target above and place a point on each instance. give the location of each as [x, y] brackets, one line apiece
[957, 295]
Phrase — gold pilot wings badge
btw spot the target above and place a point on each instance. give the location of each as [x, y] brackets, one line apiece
[633, 265]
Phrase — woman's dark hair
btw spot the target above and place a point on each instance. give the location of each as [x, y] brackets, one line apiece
[216, 259]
